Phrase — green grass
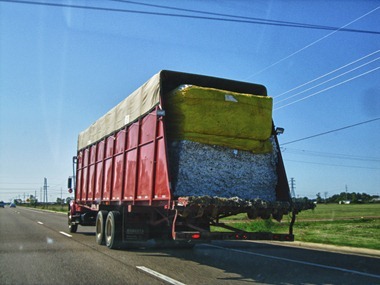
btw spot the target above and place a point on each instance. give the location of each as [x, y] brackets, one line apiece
[356, 225]
[357, 232]
[336, 212]
[50, 207]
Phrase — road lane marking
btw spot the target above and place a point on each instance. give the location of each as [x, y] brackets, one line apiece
[41, 223]
[299, 261]
[160, 276]
[65, 234]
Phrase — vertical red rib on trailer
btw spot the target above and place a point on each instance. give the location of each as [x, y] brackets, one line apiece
[135, 196]
[162, 185]
[131, 162]
[124, 154]
[152, 184]
[99, 171]
[146, 158]
[118, 166]
[108, 162]
[91, 174]
[78, 190]
[85, 175]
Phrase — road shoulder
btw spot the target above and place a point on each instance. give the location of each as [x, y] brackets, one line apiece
[326, 247]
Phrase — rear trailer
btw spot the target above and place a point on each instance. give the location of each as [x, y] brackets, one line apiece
[175, 157]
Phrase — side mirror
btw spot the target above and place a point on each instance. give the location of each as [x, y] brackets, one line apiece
[279, 131]
[69, 184]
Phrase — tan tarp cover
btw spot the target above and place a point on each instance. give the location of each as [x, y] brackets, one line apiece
[219, 117]
[138, 103]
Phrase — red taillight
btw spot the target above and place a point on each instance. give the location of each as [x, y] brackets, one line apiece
[196, 236]
[241, 236]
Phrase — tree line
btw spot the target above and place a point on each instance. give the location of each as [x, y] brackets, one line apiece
[345, 196]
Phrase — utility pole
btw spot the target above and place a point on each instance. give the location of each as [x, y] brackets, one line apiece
[346, 192]
[292, 187]
[45, 190]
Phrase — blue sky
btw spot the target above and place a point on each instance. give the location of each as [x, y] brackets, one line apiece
[61, 68]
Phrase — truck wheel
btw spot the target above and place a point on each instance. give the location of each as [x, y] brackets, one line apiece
[72, 227]
[100, 225]
[113, 230]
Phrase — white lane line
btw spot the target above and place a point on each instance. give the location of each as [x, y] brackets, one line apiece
[41, 223]
[299, 261]
[159, 275]
[65, 234]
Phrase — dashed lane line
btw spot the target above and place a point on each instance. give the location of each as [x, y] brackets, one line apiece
[159, 275]
[65, 234]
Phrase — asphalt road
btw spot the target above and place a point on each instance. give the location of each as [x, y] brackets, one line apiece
[36, 248]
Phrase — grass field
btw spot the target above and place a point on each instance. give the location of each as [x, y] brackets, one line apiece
[50, 207]
[356, 225]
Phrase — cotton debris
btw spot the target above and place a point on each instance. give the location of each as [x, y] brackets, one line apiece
[207, 170]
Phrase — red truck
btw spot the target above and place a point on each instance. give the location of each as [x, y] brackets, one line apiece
[175, 157]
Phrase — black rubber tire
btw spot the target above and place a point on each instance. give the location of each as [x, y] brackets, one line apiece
[100, 226]
[72, 227]
[113, 230]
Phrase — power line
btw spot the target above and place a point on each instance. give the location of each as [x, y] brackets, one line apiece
[233, 19]
[313, 43]
[328, 80]
[18, 189]
[328, 88]
[330, 164]
[332, 131]
[326, 74]
[268, 21]
[330, 155]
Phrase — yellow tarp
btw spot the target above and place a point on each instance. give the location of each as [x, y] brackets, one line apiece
[212, 116]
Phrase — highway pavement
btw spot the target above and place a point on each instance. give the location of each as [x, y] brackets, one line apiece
[37, 248]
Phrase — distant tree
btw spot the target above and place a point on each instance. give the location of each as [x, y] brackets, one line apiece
[319, 199]
[33, 200]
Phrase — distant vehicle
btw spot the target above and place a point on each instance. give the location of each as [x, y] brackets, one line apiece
[146, 171]
[12, 205]
[2, 204]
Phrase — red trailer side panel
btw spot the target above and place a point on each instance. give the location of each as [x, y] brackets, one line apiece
[130, 175]
[129, 166]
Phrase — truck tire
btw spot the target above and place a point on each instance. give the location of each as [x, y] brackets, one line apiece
[72, 227]
[113, 230]
[100, 225]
